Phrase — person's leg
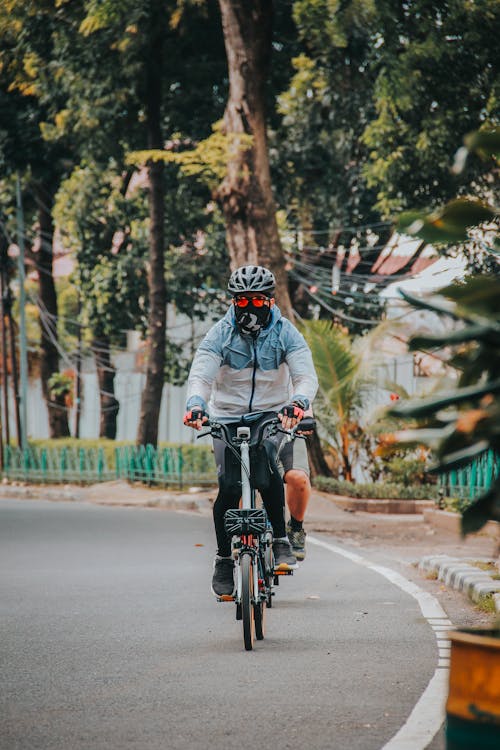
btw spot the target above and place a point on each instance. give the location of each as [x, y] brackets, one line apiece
[227, 497]
[273, 497]
[298, 493]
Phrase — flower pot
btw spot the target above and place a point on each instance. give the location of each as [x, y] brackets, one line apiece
[473, 706]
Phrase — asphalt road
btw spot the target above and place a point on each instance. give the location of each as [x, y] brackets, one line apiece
[110, 638]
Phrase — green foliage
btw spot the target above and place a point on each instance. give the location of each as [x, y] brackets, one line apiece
[465, 421]
[449, 224]
[107, 231]
[61, 384]
[207, 160]
[197, 457]
[437, 79]
[408, 471]
[376, 490]
[337, 368]
[327, 105]
[341, 379]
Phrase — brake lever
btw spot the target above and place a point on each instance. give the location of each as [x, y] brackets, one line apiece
[204, 434]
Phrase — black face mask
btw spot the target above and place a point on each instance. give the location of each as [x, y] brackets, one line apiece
[251, 320]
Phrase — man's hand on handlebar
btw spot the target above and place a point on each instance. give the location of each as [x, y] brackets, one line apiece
[290, 415]
[307, 426]
[195, 418]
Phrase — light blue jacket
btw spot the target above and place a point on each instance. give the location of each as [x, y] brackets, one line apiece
[233, 374]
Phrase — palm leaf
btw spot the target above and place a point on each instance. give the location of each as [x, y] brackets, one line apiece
[336, 365]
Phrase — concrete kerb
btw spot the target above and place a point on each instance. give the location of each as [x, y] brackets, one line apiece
[460, 575]
[112, 494]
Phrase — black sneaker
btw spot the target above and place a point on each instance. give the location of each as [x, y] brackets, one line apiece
[223, 578]
[298, 541]
[284, 559]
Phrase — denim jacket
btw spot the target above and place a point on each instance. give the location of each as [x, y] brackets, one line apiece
[233, 374]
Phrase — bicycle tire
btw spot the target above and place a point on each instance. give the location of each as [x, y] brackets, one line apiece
[260, 620]
[269, 565]
[247, 606]
[268, 553]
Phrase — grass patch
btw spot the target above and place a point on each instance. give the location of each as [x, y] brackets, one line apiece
[486, 565]
[431, 575]
[486, 604]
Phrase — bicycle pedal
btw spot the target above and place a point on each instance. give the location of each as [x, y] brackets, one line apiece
[283, 570]
[225, 598]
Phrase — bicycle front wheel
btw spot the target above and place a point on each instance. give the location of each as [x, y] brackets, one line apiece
[247, 608]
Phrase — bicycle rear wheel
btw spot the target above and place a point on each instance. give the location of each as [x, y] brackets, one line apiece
[247, 606]
[269, 563]
[260, 620]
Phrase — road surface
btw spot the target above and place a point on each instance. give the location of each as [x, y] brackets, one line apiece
[110, 638]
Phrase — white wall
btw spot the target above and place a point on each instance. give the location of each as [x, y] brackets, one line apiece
[128, 389]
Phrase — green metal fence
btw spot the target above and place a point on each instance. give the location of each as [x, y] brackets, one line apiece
[472, 480]
[181, 466]
[173, 466]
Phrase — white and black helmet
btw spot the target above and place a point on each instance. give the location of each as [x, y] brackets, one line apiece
[251, 279]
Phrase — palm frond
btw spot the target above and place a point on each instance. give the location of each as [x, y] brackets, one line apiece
[336, 365]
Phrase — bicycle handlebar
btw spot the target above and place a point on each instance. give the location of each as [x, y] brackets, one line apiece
[307, 424]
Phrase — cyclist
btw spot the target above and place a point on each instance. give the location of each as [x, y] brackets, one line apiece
[253, 359]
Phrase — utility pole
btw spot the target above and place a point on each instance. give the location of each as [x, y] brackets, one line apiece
[79, 371]
[5, 383]
[13, 359]
[23, 353]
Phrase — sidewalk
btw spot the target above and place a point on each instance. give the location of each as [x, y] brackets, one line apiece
[427, 540]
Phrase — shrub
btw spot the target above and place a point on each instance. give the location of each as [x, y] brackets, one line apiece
[198, 458]
[376, 491]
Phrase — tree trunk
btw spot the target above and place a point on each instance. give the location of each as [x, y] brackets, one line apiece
[245, 195]
[106, 379]
[49, 354]
[346, 461]
[151, 396]
[317, 462]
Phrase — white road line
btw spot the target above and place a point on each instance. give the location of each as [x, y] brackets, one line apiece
[429, 712]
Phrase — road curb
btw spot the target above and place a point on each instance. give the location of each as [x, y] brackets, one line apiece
[147, 499]
[462, 576]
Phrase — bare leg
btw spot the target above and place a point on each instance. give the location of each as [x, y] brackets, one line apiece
[298, 493]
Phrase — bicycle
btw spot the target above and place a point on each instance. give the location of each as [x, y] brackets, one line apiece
[249, 527]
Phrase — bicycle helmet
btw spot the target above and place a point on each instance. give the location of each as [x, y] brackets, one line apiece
[252, 279]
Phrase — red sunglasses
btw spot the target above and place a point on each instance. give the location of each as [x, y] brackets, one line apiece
[255, 301]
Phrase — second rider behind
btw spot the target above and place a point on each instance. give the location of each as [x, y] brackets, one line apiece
[253, 359]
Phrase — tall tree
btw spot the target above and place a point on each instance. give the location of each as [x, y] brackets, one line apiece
[172, 64]
[29, 96]
[105, 230]
[48, 311]
[152, 393]
[246, 193]
[318, 158]
[437, 80]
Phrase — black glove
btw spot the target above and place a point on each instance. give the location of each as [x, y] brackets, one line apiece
[194, 414]
[292, 411]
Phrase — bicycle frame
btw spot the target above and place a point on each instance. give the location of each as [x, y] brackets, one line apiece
[251, 533]
[249, 526]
